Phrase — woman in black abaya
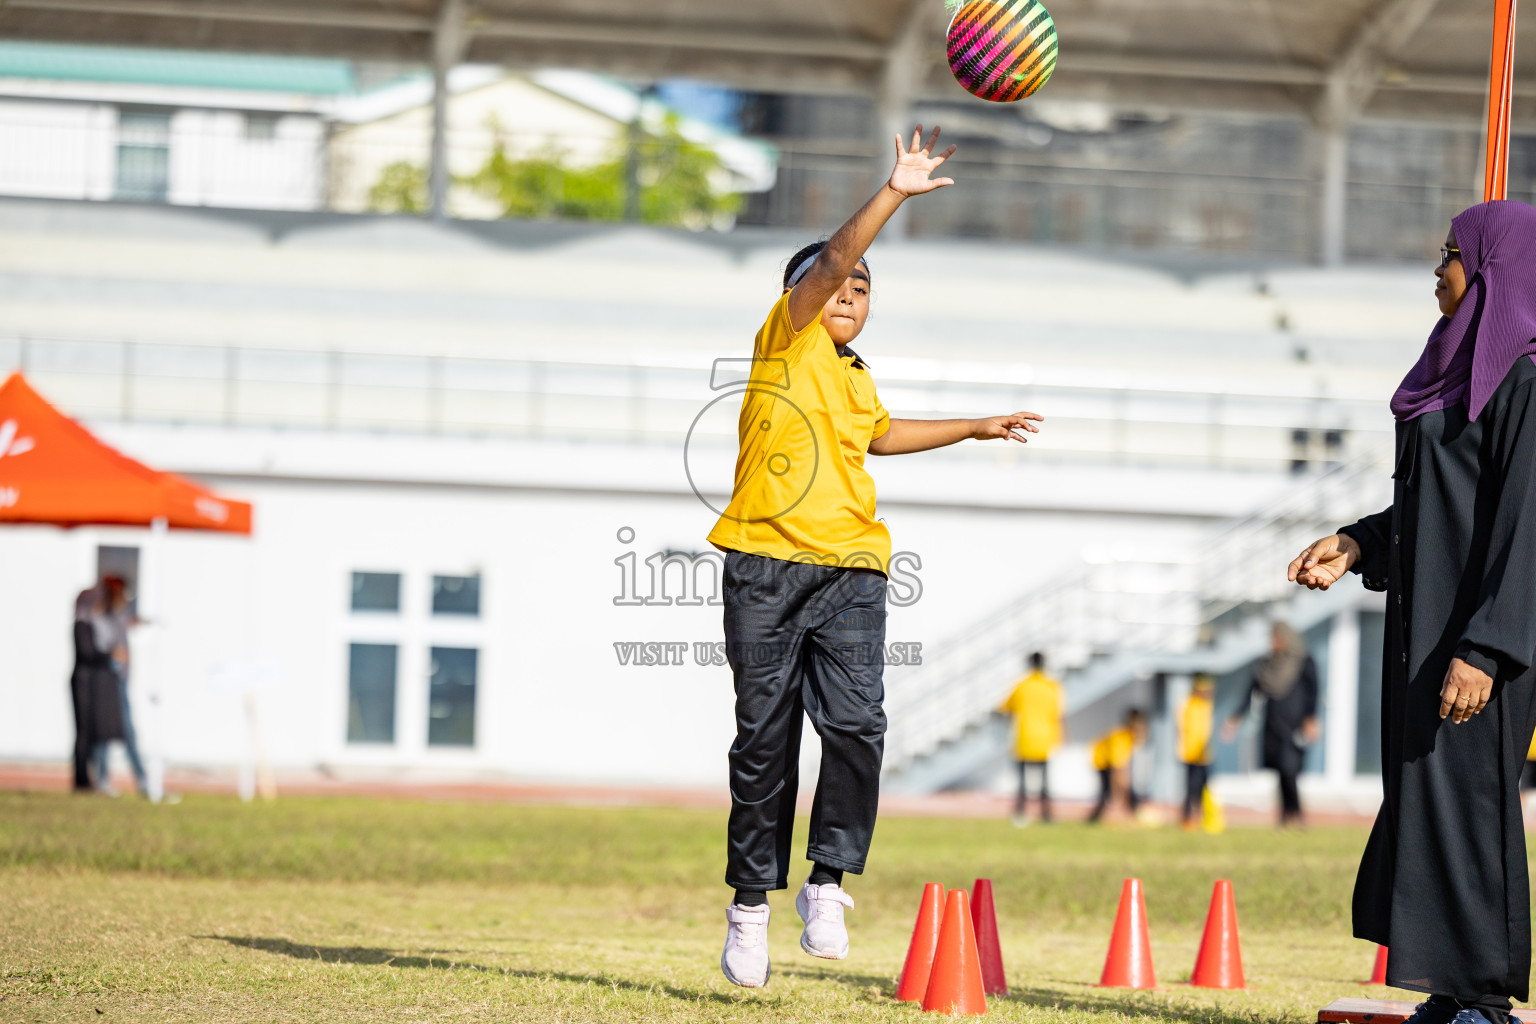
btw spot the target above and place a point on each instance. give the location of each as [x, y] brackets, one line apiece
[93, 685]
[1443, 881]
[1287, 680]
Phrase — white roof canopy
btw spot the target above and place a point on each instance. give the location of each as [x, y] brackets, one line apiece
[1327, 59]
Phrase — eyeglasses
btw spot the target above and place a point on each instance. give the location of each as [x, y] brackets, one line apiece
[1447, 252]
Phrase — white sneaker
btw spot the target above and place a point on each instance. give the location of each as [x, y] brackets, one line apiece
[821, 908]
[745, 960]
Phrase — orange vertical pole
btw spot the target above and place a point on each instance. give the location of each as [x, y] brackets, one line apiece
[1501, 76]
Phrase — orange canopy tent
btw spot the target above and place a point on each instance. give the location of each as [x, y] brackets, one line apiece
[53, 470]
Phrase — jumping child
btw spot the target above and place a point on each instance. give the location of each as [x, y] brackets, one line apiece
[805, 580]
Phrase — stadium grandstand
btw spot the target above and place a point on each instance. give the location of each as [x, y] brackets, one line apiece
[273, 246]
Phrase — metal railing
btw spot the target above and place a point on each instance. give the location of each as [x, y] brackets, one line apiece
[1106, 607]
[1130, 195]
[1237, 565]
[661, 403]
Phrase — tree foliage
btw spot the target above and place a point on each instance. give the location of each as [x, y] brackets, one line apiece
[677, 180]
[401, 188]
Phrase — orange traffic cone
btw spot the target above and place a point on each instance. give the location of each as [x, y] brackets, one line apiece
[988, 948]
[1220, 962]
[954, 985]
[925, 939]
[1129, 963]
[1379, 972]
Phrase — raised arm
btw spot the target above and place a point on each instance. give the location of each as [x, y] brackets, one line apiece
[911, 177]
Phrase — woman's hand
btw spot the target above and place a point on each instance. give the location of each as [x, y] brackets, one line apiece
[1006, 426]
[1324, 562]
[1465, 692]
[914, 164]
[1229, 730]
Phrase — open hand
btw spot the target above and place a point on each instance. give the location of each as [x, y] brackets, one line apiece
[1007, 426]
[1324, 562]
[1465, 692]
[914, 164]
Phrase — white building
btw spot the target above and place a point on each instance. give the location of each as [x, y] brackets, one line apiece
[293, 133]
[462, 443]
[176, 127]
[578, 118]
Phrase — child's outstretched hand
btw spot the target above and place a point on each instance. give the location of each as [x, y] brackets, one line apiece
[1007, 426]
[915, 163]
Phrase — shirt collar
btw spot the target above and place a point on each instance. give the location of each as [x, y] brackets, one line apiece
[843, 352]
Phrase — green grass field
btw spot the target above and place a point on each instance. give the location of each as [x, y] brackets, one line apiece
[348, 909]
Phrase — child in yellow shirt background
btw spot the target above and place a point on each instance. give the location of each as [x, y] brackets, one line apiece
[1036, 707]
[1112, 758]
[1197, 720]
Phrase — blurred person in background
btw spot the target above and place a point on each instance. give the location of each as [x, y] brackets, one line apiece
[116, 620]
[1035, 705]
[1444, 880]
[1112, 756]
[1287, 680]
[93, 686]
[1196, 724]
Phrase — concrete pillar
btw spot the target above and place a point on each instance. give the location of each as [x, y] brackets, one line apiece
[634, 139]
[1167, 771]
[447, 48]
[1335, 168]
[893, 117]
[149, 661]
[1343, 700]
[896, 92]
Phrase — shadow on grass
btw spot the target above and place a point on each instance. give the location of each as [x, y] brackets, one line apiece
[1119, 1002]
[1135, 1003]
[374, 957]
[1072, 997]
[884, 982]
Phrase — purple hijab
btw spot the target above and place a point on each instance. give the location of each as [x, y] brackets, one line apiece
[1469, 355]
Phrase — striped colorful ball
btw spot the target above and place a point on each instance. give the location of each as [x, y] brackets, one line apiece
[1002, 50]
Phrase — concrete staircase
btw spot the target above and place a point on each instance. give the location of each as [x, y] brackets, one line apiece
[1118, 622]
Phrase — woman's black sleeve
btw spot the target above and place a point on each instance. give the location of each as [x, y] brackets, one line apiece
[1241, 711]
[1501, 634]
[1372, 534]
[1308, 684]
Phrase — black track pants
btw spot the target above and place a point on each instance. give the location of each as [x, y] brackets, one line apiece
[803, 639]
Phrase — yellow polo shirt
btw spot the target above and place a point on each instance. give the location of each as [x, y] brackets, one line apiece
[1114, 749]
[801, 491]
[1196, 723]
[1035, 705]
